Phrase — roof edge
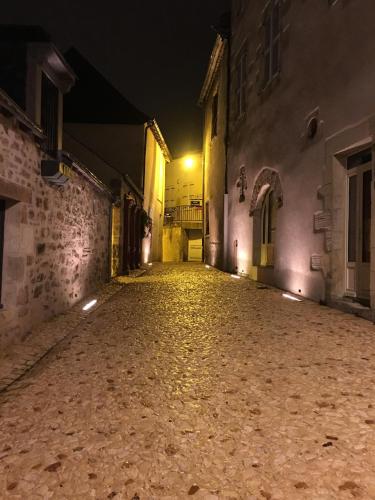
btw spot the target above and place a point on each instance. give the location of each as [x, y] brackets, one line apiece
[12, 109]
[152, 124]
[213, 66]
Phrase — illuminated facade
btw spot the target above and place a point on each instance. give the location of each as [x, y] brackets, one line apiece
[213, 100]
[128, 152]
[183, 220]
[54, 214]
[300, 149]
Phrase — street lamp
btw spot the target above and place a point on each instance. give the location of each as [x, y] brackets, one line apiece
[188, 162]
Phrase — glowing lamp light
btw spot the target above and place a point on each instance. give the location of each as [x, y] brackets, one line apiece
[235, 276]
[89, 305]
[291, 297]
[189, 162]
[207, 266]
[149, 264]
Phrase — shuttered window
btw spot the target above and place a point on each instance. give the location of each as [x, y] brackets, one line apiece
[272, 41]
[240, 81]
[215, 101]
[50, 113]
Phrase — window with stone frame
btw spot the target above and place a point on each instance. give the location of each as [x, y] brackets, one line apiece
[240, 7]
[214, 111]
[2, 224]
[240, 83]
[272, 32]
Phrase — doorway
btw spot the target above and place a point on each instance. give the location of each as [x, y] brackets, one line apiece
[2, 223]
[358, 248]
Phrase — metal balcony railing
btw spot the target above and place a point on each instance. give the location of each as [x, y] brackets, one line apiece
[183, 213]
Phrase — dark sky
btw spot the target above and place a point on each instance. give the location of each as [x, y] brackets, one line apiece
[155, 52]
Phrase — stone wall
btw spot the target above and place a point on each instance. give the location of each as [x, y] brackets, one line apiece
[55, 247]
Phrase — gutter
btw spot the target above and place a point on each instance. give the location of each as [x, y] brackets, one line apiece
[9, 108]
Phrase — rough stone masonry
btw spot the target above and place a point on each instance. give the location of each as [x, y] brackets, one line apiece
[55, 242]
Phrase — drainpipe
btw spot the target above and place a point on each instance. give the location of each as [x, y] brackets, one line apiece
[150, 123]
[203, 195]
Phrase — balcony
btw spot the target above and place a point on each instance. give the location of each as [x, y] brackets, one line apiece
[183, 214]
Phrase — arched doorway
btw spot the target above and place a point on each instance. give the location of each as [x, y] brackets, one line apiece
[267, 198]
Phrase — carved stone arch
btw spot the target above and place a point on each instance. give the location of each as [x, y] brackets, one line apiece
[268, 178]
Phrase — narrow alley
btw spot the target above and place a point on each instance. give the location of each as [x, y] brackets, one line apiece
[191, 383]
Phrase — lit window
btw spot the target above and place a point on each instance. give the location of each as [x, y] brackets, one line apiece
[269, 217]
[272, 41]
[240, 83]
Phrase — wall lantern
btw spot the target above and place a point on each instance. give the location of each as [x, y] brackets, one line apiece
[188, 162]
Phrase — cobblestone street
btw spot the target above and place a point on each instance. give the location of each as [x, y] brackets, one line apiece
[189, 383]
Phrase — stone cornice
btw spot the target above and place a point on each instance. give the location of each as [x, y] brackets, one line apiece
[160, 139]
[213, 66]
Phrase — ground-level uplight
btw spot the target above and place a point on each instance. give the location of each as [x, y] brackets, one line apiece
[89, 305]
[235, 276]
[207, 266]
[149, 264]
[291, 297]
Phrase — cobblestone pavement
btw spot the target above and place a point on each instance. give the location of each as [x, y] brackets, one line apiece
[188, 383]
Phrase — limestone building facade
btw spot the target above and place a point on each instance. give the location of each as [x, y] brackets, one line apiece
[300, 148]
[183, 216]
[213, 101]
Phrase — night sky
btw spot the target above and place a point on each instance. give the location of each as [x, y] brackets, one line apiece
[155, 52]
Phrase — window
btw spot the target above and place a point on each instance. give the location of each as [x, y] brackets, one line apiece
[272, 41]
[215, 101]
[240, 5]
[269, 216]
[2, 221]
[240, 84]
[50, 113]
[207, 218]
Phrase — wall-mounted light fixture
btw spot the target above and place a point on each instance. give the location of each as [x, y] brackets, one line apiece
[188, 162]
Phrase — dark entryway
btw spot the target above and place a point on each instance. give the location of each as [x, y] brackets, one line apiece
[2, 224]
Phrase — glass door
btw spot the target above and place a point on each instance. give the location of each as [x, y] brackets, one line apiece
[359, 226]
